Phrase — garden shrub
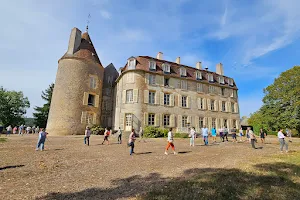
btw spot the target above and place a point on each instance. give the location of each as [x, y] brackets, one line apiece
[154, 132]
[97, 130]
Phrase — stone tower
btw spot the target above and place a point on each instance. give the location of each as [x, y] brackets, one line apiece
[77, 95]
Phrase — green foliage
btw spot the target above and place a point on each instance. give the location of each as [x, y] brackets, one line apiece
[13, 106]
[41, 114]
[281, 108]
[98, 130]
[3, 139]
[29, 121]
[181, 135]
[154, 132]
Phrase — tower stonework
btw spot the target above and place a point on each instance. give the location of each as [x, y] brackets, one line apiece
[77, 95]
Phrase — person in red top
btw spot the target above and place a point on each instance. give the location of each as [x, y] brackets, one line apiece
[106, 135]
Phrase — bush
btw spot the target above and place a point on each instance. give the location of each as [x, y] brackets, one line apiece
[154, 132]
[181, 135]
[97, 130]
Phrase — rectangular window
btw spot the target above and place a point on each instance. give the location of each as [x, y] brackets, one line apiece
[93, 82]
[152, 65]
[211, 89]
[201, 103]
[128, 119]
[167, 99]
[223, 106]
[223, 91]
[166, 68]
[152, 97]
[151, 119]
[129, 96]
[166, 82]
[198, 75]
[166, 120]
[151, 79]
[221, 80]
[184, 121]
[225, 123]
[230, 82]
[89, 118]
[213, 122]
[199, 87]
[184, 101]
[210, 78]
[232, 107]
[212, 105]
[131, 64]
[182, 71]
[91, 100]
[234, 123]
[201, 122]
[183, 85]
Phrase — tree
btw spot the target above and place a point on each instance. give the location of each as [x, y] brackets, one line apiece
[13, 106]
[41, 114]
[281, 103]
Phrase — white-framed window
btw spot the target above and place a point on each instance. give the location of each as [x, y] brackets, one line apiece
[151, 119]
[166, 82]
[89, 118]
[223, 91]
[211, 89]
[151, 79]
[129, 96]
[166, 68]
[182, 71]
[131, 63]
[91, 100]
[234, 123]
[151, 97]
[184, 101]
[201, 122]
[128, 118]
[221, 80]
[230, 82]
[201, 103]
[152, 65]
[93, 82]
[232, 107]
[184, 121]
[166, 120]
[225, 123]
[199, 87]
[183, 84]
[213, 121]
[198, 75]
[166, 99]
[223, 106]
[210, 77]
[212, 104]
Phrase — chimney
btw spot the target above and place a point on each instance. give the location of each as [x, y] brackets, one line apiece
[199, 65]
[159, 56]
[178, 60]
[75, 40]
[219, 69]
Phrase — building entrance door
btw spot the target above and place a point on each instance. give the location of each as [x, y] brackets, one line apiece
[128, 123]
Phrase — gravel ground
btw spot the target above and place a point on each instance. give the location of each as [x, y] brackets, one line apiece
[68, 166]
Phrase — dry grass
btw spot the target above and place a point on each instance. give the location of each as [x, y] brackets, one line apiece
[70, 170]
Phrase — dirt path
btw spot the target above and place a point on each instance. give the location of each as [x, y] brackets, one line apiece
[67, 165]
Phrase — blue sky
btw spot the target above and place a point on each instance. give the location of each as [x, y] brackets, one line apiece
[255, 40]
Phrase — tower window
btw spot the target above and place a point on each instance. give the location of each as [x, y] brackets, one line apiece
[210, 78]
[91, 100]
[198, 75]
[221, 80]
[166, 68]
[152, 65]
[131, 63]
[182, 71]
[129, 96]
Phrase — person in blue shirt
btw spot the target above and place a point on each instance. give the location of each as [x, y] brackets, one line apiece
[205, 134]
[214, 134]
[41, 141]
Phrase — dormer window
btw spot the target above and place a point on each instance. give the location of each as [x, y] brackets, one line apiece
[230, 82]
[210, 78]
[131, 63]
[198, 75]
[152, 65]
[182, 71]
[221, 80]
[166, 68]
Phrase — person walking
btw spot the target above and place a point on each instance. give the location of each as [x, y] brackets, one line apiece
[248, 136]
[214, 134]
[106, 135]
[221, 131]
[131, 141]
[41, 140]
[282, 142]
[192, 136]
[226, 133]
[289, 134]
[241, 134]
[8, 130]
[37, 129]
[15, 129]
[21, 130]
[233, 133]
[262, 135]
[141, 135]
[87, 135]
[205, 134]
[170, 142]
[119, 136]
[252, 137]
[28, 129]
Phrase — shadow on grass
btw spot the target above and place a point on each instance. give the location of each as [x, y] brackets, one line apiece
[12, 166]
[3, 139]
[207, 183]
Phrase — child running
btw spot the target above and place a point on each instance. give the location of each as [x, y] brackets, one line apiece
[193, 136]
[131, 141]
[170, 142]
[214, 134]
[106, 135]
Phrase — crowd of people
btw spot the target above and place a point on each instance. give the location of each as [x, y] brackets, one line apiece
[22, 129]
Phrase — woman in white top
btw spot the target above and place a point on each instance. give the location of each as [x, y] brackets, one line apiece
[131, 141]
[87, 135]
[170, 142]
[192, 137]
[282, 142]
[241, 134]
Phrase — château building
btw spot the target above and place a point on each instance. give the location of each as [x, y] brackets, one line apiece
[147, 92]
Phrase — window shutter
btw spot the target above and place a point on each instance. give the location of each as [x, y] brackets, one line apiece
[146, 96]
[156, 97]
[197, 123]
[235, 108]
[172, 99]
[179, 100]
[146, 119]
[147, 78]
[135, 95]
[124, 96]
[221, 123]
[230, 125]
[85, 98]
[156, 120]
[198, 103]
[226, 106]
[83, 117]
[217, 123]
[94, 118]
[204, 103]
[97, 101]
[121, 121]
[216, 105]
[189, 119]
[209, 123]
[172, 121]
[188, 102]
[179, 121]
[159, 80]
[161, 117]
[208, 104]
[205, 121]
[172, 82]
[162, 95]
